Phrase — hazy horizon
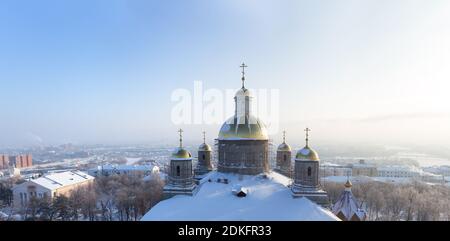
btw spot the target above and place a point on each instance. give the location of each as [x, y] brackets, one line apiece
[102, 72]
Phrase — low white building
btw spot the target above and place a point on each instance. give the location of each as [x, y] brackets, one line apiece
[439, 170]
[49, 186]
[400, 171]
[331, 169]
[106, 170]
[364, 169]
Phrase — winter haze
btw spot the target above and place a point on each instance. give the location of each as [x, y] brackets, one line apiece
[91, 72]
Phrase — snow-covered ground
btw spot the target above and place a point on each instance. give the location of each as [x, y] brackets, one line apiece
[365, 179]
[6, 215]
[132, 160]
[268, 198]
[424, 160]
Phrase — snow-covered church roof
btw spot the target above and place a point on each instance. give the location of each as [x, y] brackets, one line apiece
[347, 205]
[268, 198]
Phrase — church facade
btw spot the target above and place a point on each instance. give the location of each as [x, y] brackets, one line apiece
[243, 140]
[243, 149]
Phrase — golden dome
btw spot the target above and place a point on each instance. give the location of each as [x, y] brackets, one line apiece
[251, 129]
[348, 184]
[204, 147]
[307, 154]
[284, 147]
[181, 153]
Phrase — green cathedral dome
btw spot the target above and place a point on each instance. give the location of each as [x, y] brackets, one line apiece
[181, 153]
[284, 147]
[307, 154]
[204, 147]
[239, 129]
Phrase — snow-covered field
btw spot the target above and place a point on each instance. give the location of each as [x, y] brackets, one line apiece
[365, 179]
[132, 160]
[268, 198]
[423, 159]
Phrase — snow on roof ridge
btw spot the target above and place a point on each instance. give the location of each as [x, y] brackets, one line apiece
[61, 179]
[46, 177]
[83, 176]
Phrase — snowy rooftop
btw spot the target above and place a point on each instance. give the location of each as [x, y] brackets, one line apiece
[348, 206]
[57, 180]
[268, 198]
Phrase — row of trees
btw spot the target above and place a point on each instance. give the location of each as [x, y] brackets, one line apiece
[117, 197]
[6, 195]
[130, 196]
[388, 201]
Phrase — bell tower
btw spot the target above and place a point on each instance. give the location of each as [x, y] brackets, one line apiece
[284, 155]
[180, 180]
[204, 164]
[306, 175]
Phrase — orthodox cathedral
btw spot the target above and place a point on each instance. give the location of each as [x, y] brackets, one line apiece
[243, 186]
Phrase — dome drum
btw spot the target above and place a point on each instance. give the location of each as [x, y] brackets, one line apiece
[247, 157]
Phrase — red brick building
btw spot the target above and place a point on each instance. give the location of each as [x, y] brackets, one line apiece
[4, 161]
[19, 161]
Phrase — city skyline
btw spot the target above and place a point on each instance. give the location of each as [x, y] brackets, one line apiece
[91, 72]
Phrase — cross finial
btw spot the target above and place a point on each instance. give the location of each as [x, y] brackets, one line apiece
[204, 137]
[284, 136]
[181, 137]
[307, 130]
[243, 66]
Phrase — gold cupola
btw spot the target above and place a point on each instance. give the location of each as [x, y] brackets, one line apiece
[284, 146]
[307, 153]
[348, 184]
[204, 146]
[180, 152]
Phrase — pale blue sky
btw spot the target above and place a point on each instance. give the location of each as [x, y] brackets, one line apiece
[102, 71]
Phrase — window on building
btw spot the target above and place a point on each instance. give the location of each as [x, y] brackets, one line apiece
[309, 171]
[203, 157]
[284, 157]
[178, 171]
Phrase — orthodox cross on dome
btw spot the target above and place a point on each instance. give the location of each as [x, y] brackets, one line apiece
[307, 130]
[181, 137]
[204, 137]
[284, 136]
[243, 66]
